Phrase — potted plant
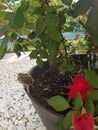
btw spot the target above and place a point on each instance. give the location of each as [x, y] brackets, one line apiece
[64, 86]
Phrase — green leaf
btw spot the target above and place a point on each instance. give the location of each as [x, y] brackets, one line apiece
[67, 122]
[3, 29]
[59, 103]
[50, 9]
[40, 62]
[38, 44]
[92, 23]
[92, 95]
[53, 32]
[52, 47]
[32, 35]
[44, 40]
[69, 67]
[18, 21]
[66, 66]
[20, 40]
[82, 6]
[2, 7]
[13, 36]
[97, 108]
[17, 49]
[3, 47]
[33, 54]
[38, 10]
[40, 26]
[90, 106]
[52, 19]
[24, 6]
[18, 53]
[67, 2]
[91, 77]
[77, 102]
[6, 15]
[43, 54]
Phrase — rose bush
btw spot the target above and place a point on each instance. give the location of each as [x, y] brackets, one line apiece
[38, 26]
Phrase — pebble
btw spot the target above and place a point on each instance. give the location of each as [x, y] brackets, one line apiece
[16, 110]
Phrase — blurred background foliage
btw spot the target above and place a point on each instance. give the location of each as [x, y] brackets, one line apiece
[37, 26]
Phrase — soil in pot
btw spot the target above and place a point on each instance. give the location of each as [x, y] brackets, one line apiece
[48, 83]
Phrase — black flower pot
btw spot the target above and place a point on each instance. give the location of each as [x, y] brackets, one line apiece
[48, 117]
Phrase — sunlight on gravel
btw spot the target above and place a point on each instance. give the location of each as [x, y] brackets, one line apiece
[16, 110]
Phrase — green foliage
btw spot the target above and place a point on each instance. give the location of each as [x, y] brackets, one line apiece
[67, 2]
[90, 106]
[92, 23]
[52, 19]
[18, 49]
[40, 62]
[65, 66]
[52, 51]
[97, 108]
[2, 7]
[32, 35]
[78, 103]
[24, 6]
[59, 103]
[3, 46]
[92, 95]
[6, 15]
[42, 20]
[50, 10]
[37, 25]
[67, 121]
[33, 54]
[92, 78]
[38, 11]
[3, 30]
[53, 33]
[40, 26]
[82, 6]
[18, 20]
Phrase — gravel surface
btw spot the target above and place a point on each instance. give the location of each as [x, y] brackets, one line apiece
[16, 110]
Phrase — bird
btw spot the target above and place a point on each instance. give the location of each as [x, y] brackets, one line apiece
[25, 79]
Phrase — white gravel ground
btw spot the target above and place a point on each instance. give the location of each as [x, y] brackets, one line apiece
[16, 110]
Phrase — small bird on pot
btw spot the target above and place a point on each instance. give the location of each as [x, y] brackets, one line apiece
[25, 79]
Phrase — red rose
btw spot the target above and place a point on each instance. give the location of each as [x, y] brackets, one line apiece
[83, 121]
[80, 85]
